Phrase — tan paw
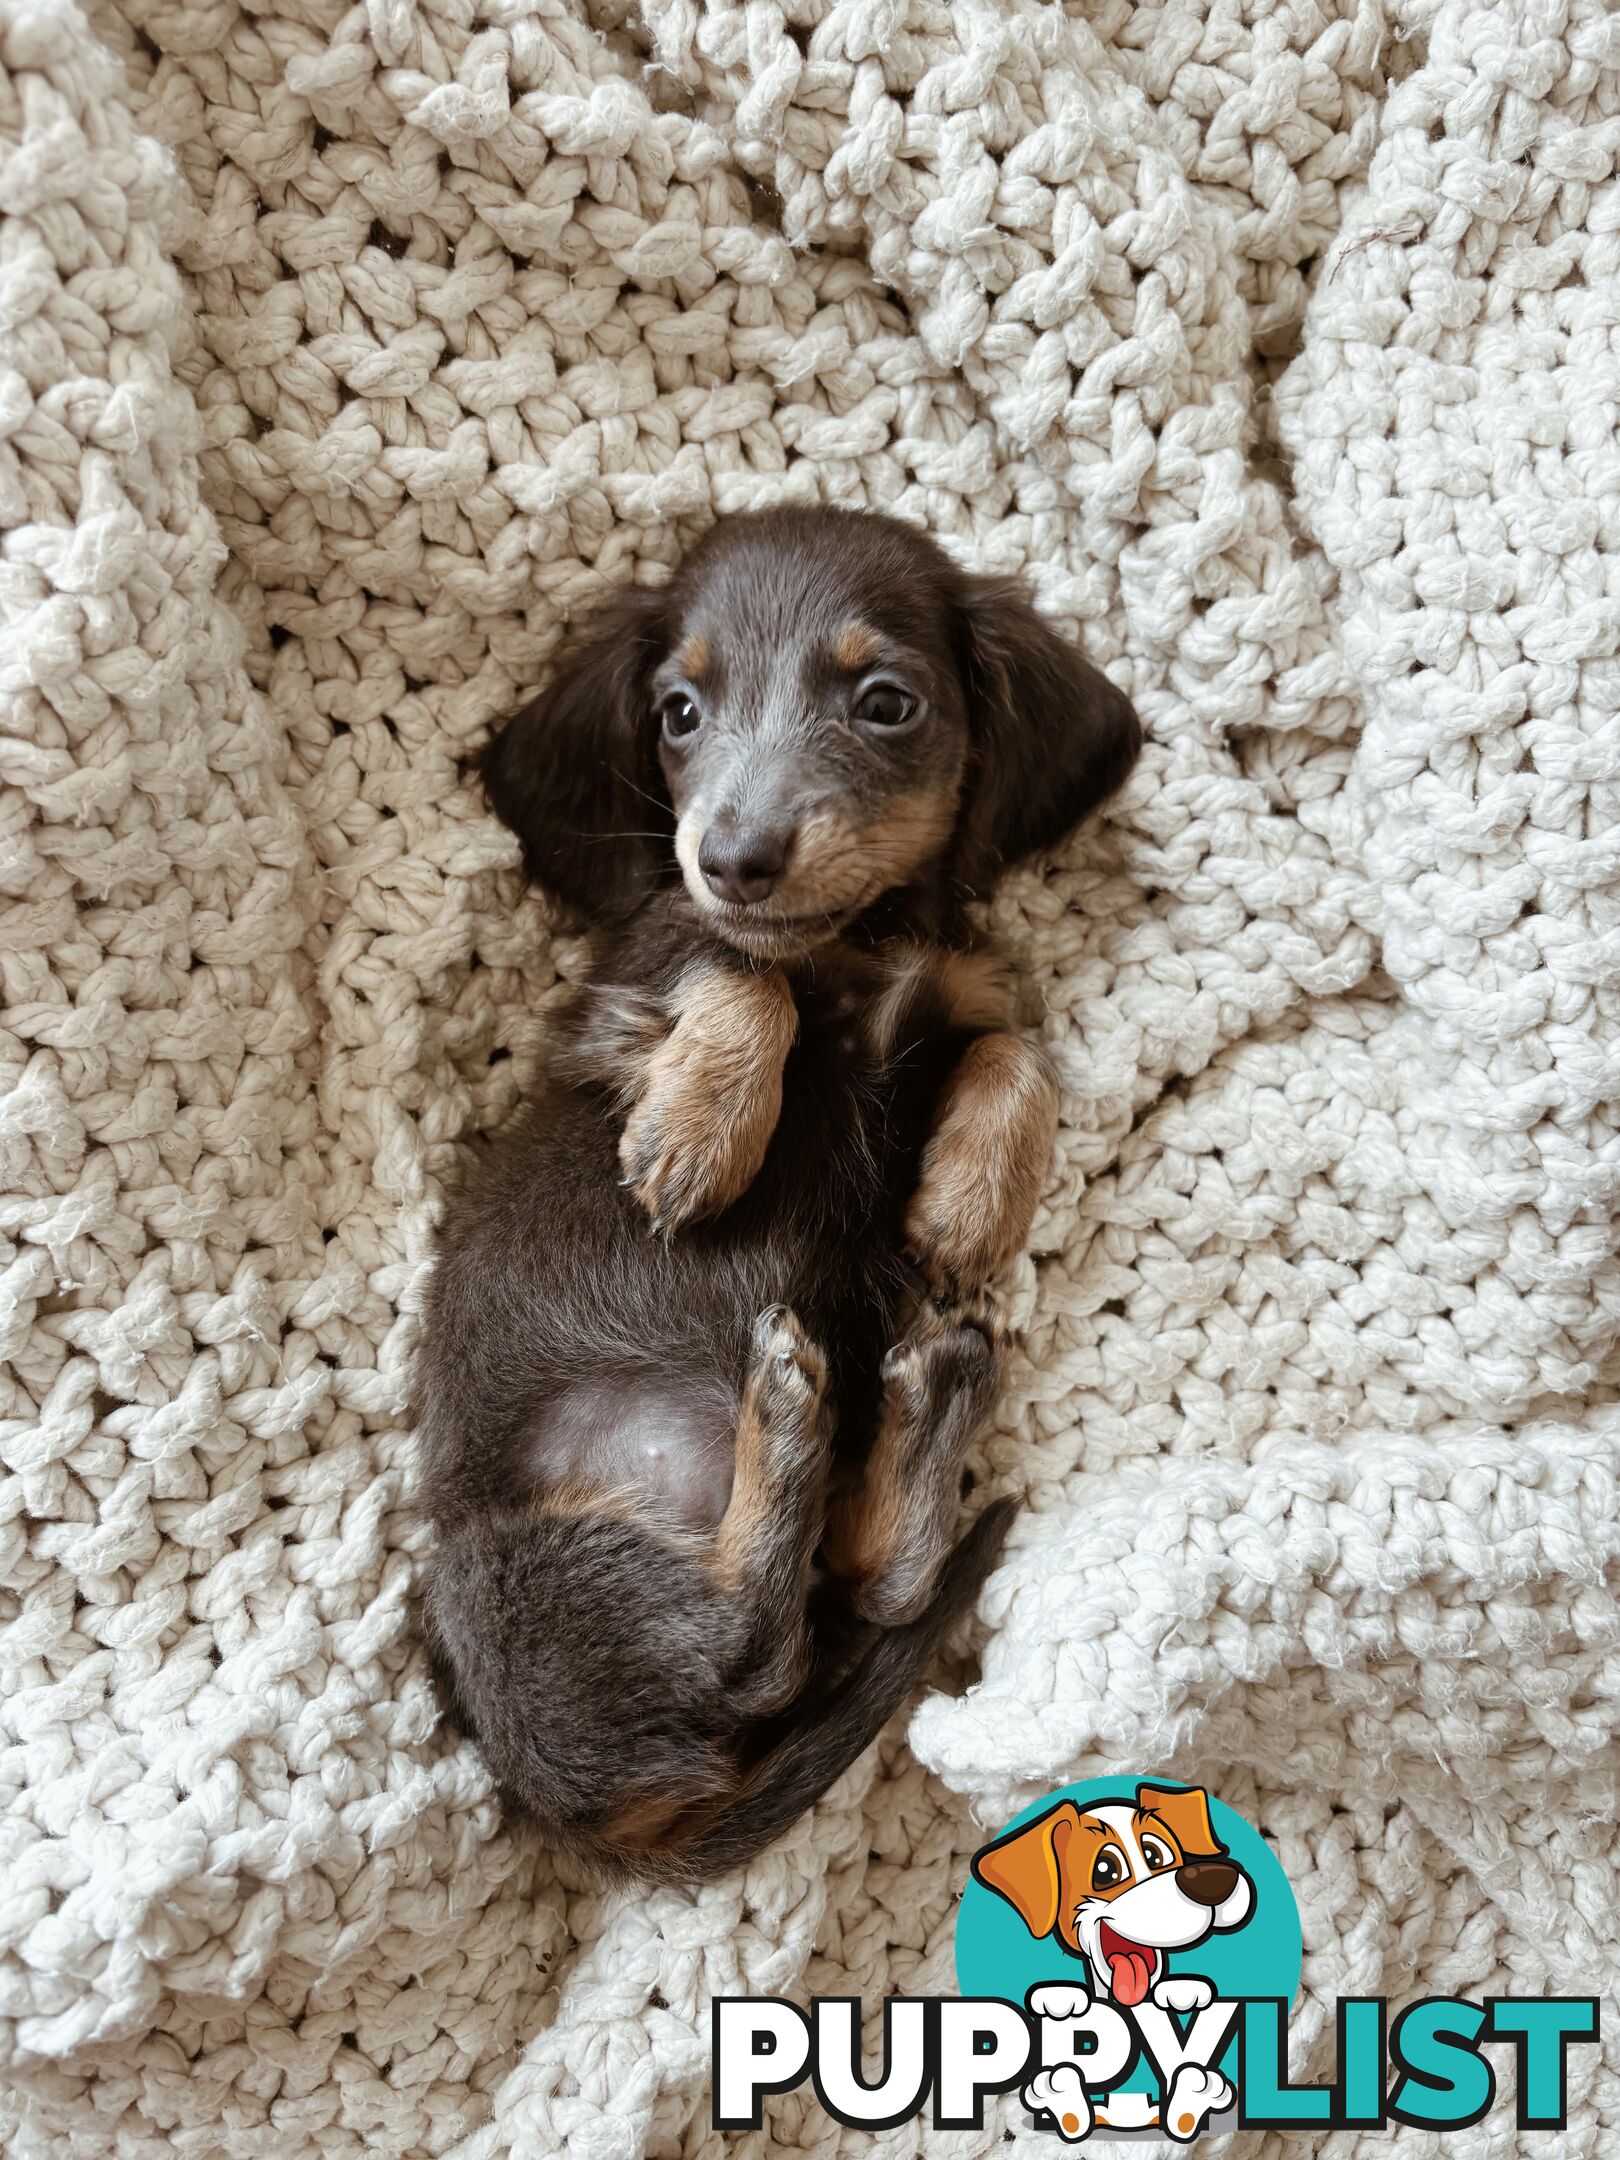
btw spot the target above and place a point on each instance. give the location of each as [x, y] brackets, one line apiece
[789, 1375]
[697, 1136]
[984, 1165]
[785, 1428]
[691, 1148]
[950, 1354]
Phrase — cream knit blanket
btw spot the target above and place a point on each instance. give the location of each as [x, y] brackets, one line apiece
[346, 352]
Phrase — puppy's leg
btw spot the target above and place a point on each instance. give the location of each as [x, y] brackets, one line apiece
[984, 1165]
[769, 1532]
[711, 1094]
[891, 1535]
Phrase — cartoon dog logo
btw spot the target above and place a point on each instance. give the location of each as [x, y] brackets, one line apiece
[1121, 1886]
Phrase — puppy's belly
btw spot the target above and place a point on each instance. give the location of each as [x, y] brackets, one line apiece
[669, 1438]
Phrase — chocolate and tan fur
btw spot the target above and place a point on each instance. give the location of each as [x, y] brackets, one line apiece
[708, 1336]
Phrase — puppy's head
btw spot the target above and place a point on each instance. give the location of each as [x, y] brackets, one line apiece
[820, 708]
[1120, 1885]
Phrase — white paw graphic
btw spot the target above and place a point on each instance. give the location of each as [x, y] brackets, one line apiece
[1193, 2097]
[1183, 1991]
[1061, 2093]
[1059, 2002]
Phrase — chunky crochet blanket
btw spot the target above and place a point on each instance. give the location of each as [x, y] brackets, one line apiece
[347, 353]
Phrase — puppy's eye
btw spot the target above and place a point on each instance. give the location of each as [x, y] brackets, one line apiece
[885, 705]
[1155, 1855]
[679, 715]
[1107, 1869]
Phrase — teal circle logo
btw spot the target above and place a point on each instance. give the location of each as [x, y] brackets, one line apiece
[1125, 1893]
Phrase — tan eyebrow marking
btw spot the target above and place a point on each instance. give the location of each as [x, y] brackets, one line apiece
[856, 646]
[1161, 1829]
[693, 655]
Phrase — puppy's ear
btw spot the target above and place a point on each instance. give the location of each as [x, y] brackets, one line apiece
[1185, 1815]
[1026, 1867]
[1053, 737]
[576, 774]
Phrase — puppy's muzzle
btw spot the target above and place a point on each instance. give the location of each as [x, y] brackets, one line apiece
[1207, 1882]
[742, 863]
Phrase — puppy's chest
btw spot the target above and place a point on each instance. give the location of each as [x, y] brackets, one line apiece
[861, 1079]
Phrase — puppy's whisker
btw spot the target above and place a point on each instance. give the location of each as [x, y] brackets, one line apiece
[645, 793]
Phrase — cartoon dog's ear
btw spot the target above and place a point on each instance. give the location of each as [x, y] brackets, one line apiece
[1026, 1867]
[1052, 736]
[1185, 1815]
[575, 774]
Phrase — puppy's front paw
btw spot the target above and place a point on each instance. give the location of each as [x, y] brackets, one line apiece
[1061, 2000]
[1182, 1991]
[984, 1165]
[698, 1133]
[690, 1149]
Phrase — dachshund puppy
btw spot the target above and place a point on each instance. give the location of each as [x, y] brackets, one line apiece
[709, 1334]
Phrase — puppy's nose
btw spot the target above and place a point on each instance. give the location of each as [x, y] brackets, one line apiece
[742, 863]
[1207, 1882]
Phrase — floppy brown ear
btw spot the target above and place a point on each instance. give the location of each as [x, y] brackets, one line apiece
[1185, 1815]
[575, 774]
[1053, 737]
[1026, 1867]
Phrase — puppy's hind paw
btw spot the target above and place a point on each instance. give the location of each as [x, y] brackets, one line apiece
[948, 1354]
[786, 1358]
[786, 1388]
[1195, 2095]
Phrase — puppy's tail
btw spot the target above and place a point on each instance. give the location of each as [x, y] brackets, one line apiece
[840, 1723]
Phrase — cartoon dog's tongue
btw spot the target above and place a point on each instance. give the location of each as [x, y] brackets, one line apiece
[1130, 1966]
